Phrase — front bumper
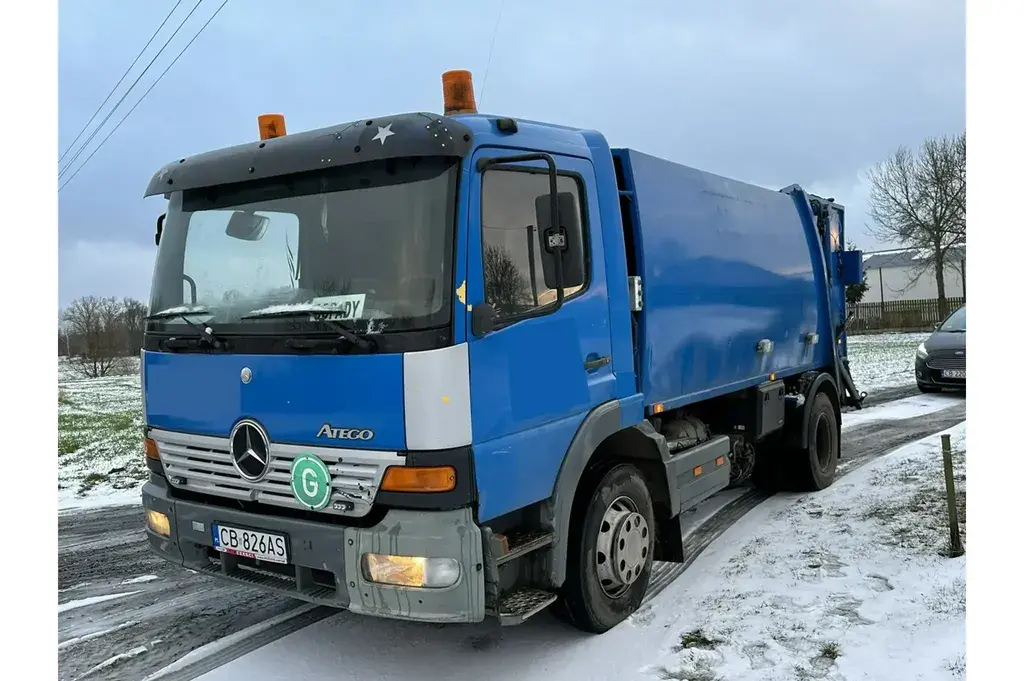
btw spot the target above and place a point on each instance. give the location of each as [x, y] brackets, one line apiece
[932, 376]
[325, 558]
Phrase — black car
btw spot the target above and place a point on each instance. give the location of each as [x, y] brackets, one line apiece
[942, 359]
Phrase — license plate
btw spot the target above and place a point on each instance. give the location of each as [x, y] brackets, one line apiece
[262, 546]
[954, 373]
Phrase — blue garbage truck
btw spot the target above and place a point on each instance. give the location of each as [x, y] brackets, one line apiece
[446, 367]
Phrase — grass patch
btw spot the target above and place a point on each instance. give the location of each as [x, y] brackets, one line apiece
[69, 443]
[950, 599]
[63, 399]
[101, 424]
[917, 518]
[696, 639]
[91, 481]
[699, 670]
[830, 651]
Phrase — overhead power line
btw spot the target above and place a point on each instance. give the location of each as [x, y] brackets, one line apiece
[490, 52]
[121, 80]
[127, 92]
[150, 89]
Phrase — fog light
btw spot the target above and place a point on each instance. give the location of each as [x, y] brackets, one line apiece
[415, 571]
[158, 522]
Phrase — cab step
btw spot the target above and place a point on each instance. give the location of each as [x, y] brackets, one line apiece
[517, 544]
[521, 605]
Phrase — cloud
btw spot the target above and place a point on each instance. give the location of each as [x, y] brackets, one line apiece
[104, 268]
[768, 93]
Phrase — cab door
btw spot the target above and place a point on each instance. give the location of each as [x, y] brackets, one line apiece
[534, 379]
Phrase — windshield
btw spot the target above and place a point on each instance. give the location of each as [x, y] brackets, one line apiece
[956, 321]
[371, 243]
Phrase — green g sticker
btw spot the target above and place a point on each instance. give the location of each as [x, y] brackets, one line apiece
[311, 482]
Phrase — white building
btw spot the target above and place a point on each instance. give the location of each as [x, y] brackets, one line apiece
[903, 274]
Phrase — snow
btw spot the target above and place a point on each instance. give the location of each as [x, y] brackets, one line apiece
[907, 408]
[101, 496]
[92, 600]
[883, 360]
[111, 661]
[141, 580]
[96, 634]
[182, 309]
[220, 644]
[849, 583]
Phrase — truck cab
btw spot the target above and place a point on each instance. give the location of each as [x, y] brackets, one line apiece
[402, 366]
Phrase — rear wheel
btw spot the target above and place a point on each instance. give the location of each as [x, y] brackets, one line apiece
[782, 465]
[815, 466]
[610, 567]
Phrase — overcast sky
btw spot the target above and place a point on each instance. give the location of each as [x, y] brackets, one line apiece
[773, 93]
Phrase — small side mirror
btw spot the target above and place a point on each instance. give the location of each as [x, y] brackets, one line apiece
[247, 226]
[482, 319]
[159, 227]
[565, 240]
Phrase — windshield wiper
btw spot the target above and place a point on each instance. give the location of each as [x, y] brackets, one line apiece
[205, 334]
[345, 332]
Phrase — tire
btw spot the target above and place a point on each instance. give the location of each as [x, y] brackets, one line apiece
[814, 467]
[783, 466]
[589, 602]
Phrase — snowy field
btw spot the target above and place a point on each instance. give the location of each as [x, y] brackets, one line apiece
[883, 360]
[99, 447]
[99, 436]
[850, 583]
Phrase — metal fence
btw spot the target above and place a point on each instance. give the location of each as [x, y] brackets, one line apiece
[900, 315]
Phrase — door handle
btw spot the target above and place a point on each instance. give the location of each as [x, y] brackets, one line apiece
[593, 362]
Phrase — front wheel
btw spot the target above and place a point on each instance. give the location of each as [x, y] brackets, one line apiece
[611, 552]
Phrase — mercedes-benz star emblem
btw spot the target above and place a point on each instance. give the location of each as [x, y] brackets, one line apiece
[250, 450]
[246, 374]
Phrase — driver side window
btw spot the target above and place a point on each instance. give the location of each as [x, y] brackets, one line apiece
[513, 274]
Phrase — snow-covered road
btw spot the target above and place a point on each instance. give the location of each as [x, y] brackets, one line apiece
[161, 613]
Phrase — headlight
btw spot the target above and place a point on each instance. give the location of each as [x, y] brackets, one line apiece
[158, 522]
[922, 352]
[414, 571]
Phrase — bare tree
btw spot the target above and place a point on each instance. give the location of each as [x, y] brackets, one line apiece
[919, 200]
[505, 287]
[96, 326]
[133, 318]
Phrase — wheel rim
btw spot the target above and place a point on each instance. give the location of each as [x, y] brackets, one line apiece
[623, 545]
[823, 442]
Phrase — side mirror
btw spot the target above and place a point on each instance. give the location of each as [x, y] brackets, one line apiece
[247, 226]
[482, 319]
[159, 227]
[564, 240]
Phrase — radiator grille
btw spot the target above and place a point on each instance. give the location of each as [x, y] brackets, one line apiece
[203, 464]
